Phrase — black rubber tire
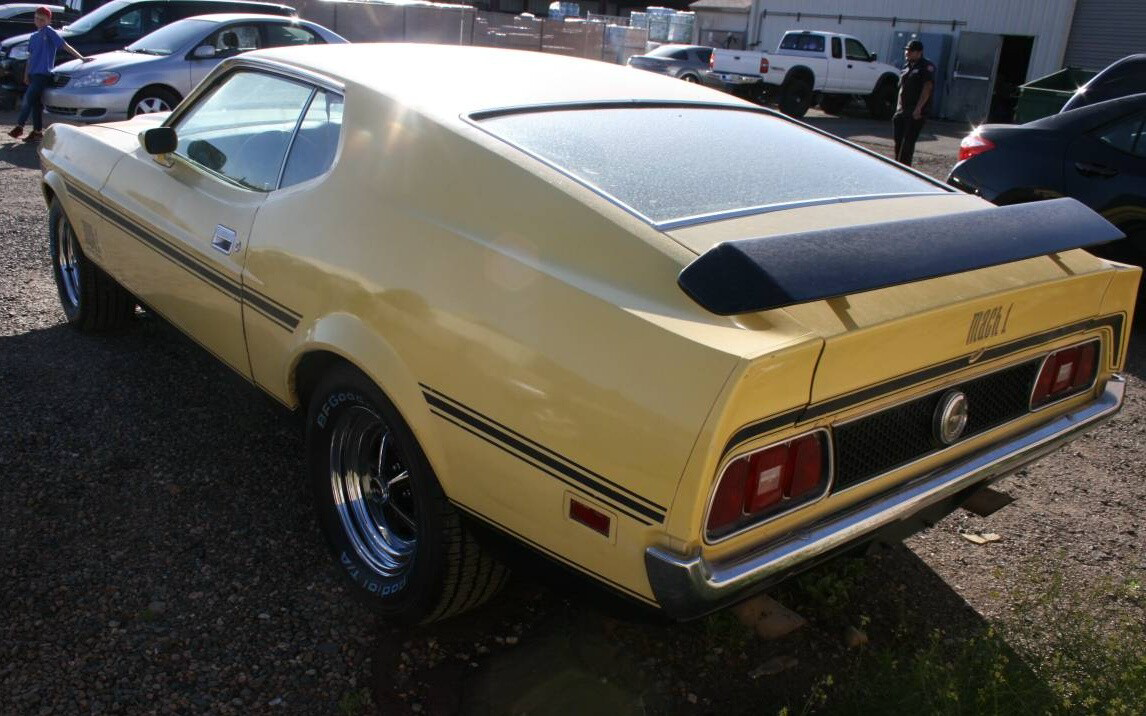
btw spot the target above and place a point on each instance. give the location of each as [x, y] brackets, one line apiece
[168, 97]
[690, 78]
[834, 103]
[881, 102]
[449, 572]
[99, 304]
[795, 98]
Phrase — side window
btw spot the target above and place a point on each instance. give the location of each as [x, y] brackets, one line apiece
[1125, 134]
[134, 24]
[284, 35]
[241, 128]
[856, 50]
[314, 146]
[679, 55]
[24, 16]
[837, 51]
[233, 39]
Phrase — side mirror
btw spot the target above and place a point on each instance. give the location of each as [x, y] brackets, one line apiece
[204, 52]
[872, 57]
[159, 140]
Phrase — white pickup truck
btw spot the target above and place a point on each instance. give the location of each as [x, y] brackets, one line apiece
[808, 67]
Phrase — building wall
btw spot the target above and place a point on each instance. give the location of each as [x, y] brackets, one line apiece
[875, 22]
[729, 21]
[1104, 31]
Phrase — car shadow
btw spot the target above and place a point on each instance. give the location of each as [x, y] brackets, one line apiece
[18, 153]
[143, 472]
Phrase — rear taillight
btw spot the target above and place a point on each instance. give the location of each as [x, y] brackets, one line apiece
[711, 60]
[1064, 373]
[763, 65]
[770, 481]
[974, 144]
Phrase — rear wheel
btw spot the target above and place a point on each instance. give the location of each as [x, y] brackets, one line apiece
[690, 78]
[834, 103]
[391, 528]
[92, 300]
[795, 98]
[881, 102]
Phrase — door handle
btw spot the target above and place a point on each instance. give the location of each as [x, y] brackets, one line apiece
[849, 67]
[224, 240]
[1088, 169]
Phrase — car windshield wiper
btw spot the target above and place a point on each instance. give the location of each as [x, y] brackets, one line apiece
[144, 51]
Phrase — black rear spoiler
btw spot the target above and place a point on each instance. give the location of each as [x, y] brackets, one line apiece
[750, 275]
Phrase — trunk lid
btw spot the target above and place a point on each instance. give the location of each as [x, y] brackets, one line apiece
[875, 337]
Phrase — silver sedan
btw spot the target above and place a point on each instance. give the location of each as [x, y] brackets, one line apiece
[155, 72]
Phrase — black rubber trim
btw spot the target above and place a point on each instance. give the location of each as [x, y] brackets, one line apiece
[748, 275]
[544, 459]
[1116, 322]
[268, 307]
[494, 524]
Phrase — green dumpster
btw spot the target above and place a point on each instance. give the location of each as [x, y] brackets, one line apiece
[1046, 95]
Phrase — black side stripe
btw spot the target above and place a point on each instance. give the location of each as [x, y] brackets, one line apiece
[540, 457]
[553, 555]
[1116, 322]
[268, 307]
[643, 520]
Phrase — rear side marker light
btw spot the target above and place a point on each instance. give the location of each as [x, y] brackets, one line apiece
[1064, 373]
[974, 144]
[768, 482]
[592, 518]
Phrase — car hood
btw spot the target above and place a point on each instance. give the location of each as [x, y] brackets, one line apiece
[17, 39]
[116, 60]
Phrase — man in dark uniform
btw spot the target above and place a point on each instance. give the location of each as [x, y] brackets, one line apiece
[916, 84]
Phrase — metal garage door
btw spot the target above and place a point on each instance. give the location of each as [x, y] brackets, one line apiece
[1104, 31]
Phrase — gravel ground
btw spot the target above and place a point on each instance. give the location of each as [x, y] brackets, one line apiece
[158, 554]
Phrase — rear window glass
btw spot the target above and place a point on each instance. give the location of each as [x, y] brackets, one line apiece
[729, 160]
[807, 43]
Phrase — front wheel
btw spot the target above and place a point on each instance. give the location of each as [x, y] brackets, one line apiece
[390, 526]
[92, 300]
[151, 100]
[795, 98]
[881, 102]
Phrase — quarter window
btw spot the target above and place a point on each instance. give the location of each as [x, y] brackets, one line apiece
[241, 129]
[314, 146]
[1126, 134]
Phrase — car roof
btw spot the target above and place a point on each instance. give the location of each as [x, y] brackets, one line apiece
[1092, 114]
[221, 17]
[450, 80]
[13, 8]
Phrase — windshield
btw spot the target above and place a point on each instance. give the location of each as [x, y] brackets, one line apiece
[171, 38]
[669, 164]
[95, 17]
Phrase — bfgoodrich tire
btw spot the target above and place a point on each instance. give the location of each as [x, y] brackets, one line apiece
[795, 98]
[391, 529]
[881, 103]
[92, 300]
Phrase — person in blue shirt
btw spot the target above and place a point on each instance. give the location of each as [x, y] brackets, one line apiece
[42, 48]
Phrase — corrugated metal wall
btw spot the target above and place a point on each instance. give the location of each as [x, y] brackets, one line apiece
[1048, 21]
[1104, 31]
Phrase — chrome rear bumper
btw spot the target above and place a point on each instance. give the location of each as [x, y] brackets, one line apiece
[691, 586]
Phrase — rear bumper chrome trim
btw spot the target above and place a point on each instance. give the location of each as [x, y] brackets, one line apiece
[688, 586]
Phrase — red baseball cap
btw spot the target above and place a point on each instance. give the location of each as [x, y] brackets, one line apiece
[42, 10]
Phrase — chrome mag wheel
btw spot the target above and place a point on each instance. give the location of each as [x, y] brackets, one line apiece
[370, 479]
[67, 262]
[148, 105]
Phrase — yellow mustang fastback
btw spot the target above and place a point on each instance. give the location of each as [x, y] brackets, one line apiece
[674, 341]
